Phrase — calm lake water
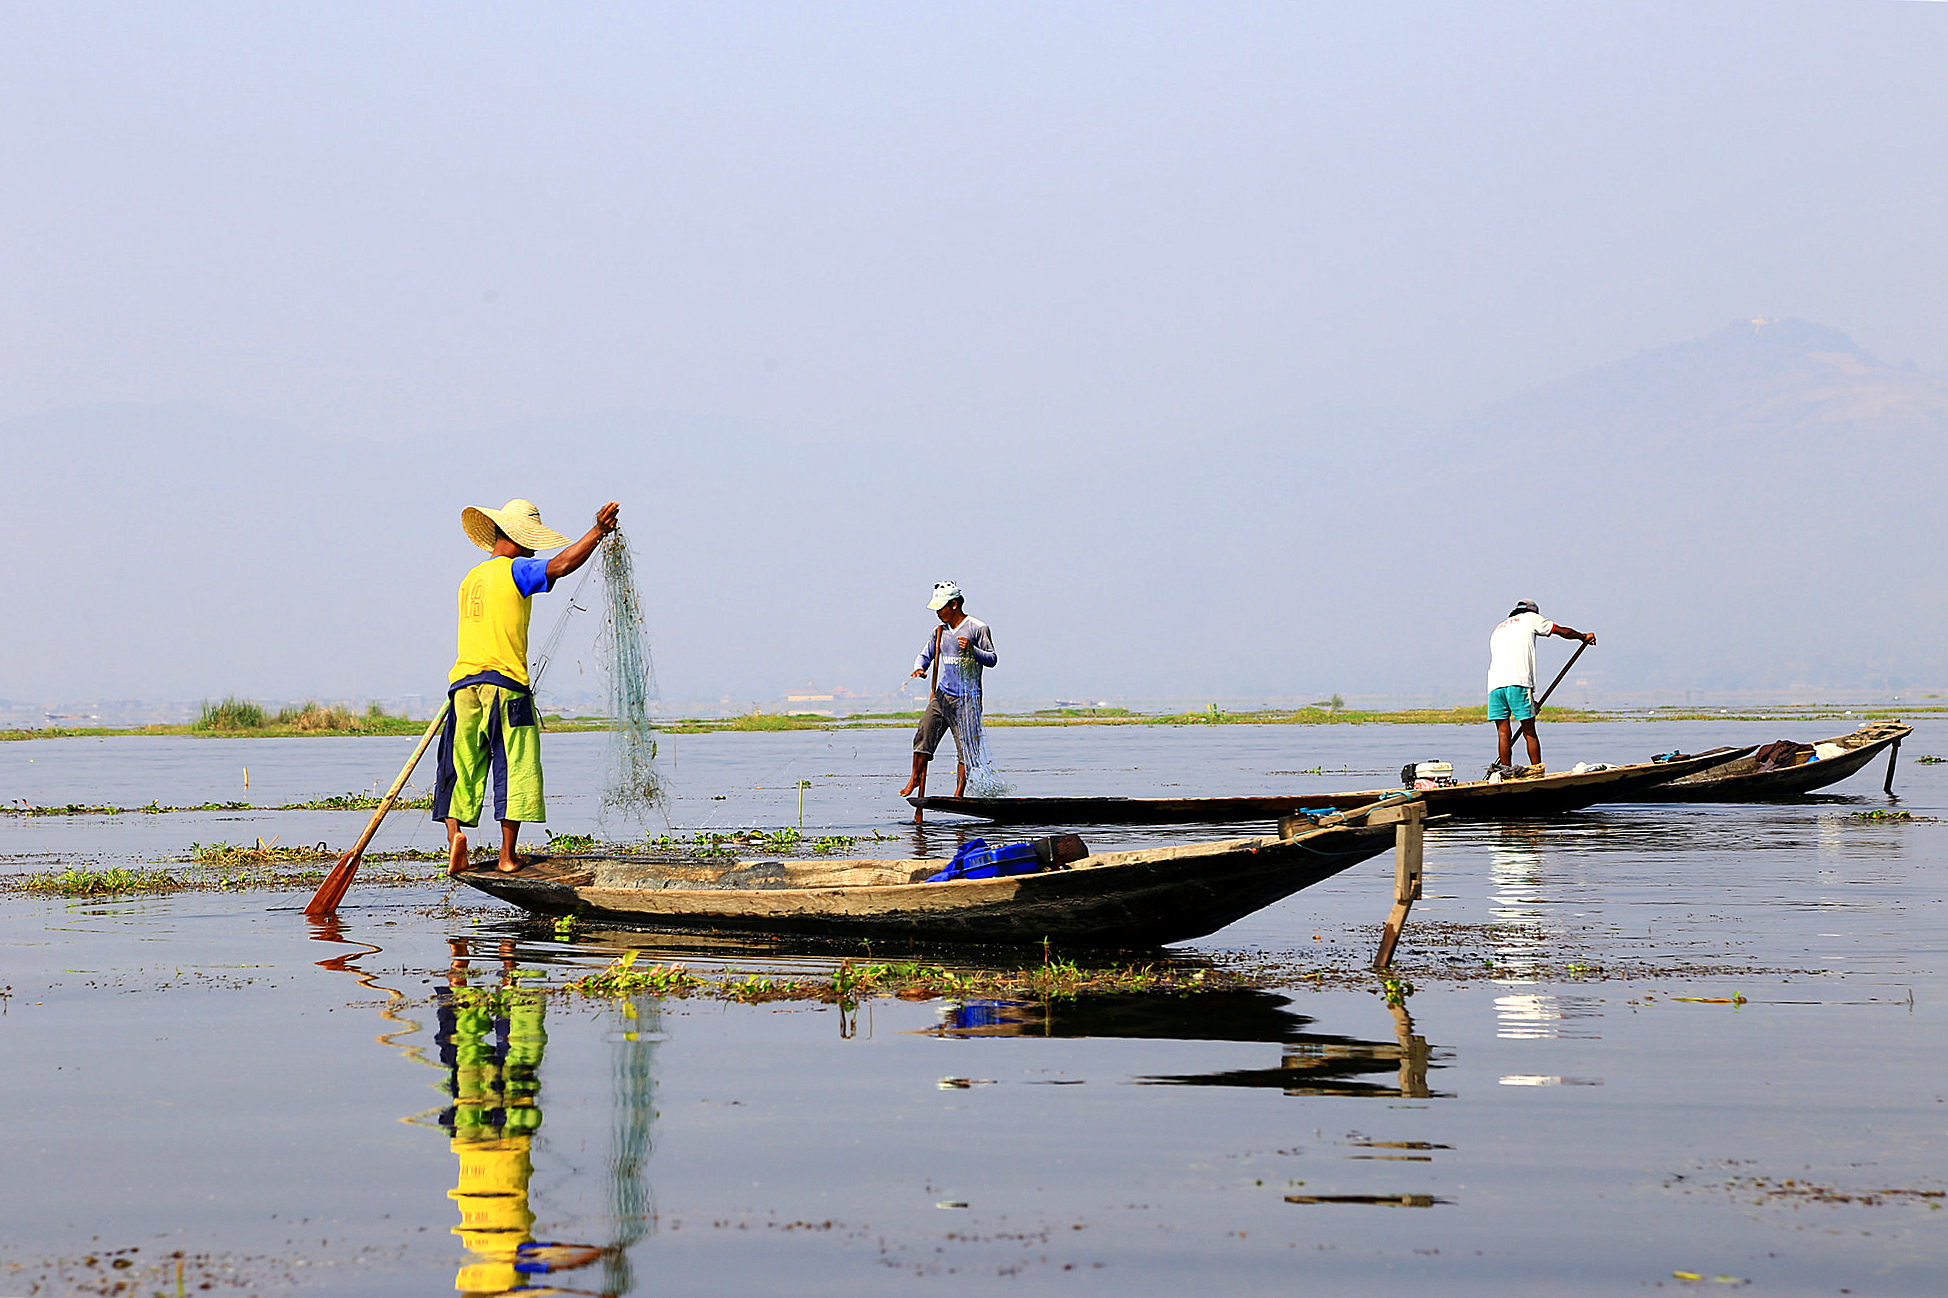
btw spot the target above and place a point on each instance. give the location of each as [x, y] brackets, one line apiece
[1571, 1100]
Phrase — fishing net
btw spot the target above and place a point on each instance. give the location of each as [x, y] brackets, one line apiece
[983, 781]
[970, 737]
[632, 786]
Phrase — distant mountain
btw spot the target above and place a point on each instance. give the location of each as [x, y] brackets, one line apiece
[1753, 508]
[1764, 380]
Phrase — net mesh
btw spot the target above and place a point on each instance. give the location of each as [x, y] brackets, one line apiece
[970, 736]
[632, 786]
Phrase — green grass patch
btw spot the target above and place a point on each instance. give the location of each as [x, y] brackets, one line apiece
[241, 717]
[231, 714]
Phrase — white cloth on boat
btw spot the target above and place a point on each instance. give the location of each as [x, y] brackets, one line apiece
[1511, 650]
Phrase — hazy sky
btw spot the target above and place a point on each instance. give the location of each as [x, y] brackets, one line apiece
[1040, 295]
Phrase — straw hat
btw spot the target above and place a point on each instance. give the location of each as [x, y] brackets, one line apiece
[519, 519]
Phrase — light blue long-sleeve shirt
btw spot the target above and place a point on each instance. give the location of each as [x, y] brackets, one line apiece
[960, 669]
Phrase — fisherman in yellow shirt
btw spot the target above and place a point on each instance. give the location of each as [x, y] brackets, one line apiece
[492, 730]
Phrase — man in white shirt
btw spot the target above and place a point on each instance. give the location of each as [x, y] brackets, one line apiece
[1511, 676]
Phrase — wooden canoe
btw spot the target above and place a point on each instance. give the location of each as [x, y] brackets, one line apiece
[1112, 899]
[1739, 778]
[1516, 799]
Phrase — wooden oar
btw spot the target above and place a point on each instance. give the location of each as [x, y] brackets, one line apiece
[332, 890]
[1559, 675]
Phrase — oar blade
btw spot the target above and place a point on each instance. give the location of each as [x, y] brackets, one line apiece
[332, 891]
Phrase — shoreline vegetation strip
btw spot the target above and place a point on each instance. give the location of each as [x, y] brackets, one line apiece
[338, 723]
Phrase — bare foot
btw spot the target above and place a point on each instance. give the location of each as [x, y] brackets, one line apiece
[909, 788]
[508, 865]
[456, 854]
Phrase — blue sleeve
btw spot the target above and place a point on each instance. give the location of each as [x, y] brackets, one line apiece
[531, 575]
[982, 647]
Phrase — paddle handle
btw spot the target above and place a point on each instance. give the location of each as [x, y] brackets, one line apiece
[392, 794]
[1559, 675]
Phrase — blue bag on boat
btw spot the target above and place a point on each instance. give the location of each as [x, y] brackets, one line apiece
[976, 860]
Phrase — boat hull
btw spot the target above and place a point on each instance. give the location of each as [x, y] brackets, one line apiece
[1740, 780]
[1117, 899]
[1547, 795]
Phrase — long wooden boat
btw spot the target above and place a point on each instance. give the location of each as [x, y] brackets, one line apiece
[1522, 798]
[1112, 899]
[1815, 766]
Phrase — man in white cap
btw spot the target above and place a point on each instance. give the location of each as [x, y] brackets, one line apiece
[1511, 676]
[957, 651]
[491, 729]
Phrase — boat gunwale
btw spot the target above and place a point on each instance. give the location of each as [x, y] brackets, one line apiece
[1112, 860]
[1258, 806]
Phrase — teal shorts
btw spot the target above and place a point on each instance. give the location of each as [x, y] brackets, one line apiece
[1509, 702]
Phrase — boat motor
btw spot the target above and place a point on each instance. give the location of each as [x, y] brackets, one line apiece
[1427, 775]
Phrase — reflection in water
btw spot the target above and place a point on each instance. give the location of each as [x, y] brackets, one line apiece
[1515, 866]
[1310, 1063]
[1537, 1016]
[331, 930]
[633, 1110]
[490, 1042]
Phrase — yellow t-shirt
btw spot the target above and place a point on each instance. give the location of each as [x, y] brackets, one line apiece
[493, 623]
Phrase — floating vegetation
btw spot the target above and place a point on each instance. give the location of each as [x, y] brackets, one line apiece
[854, 981]
[81, 881]
[25, 808]
[1886, 813]
[623, 977]
[1931, 760]
[729, 843]
[336, 802]
[225, 867]
[1792, 1189]
[223, 856]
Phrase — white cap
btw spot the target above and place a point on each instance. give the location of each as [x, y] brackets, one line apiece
[944, 593]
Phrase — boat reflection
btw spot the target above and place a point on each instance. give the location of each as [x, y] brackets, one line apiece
[1310, 1063]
